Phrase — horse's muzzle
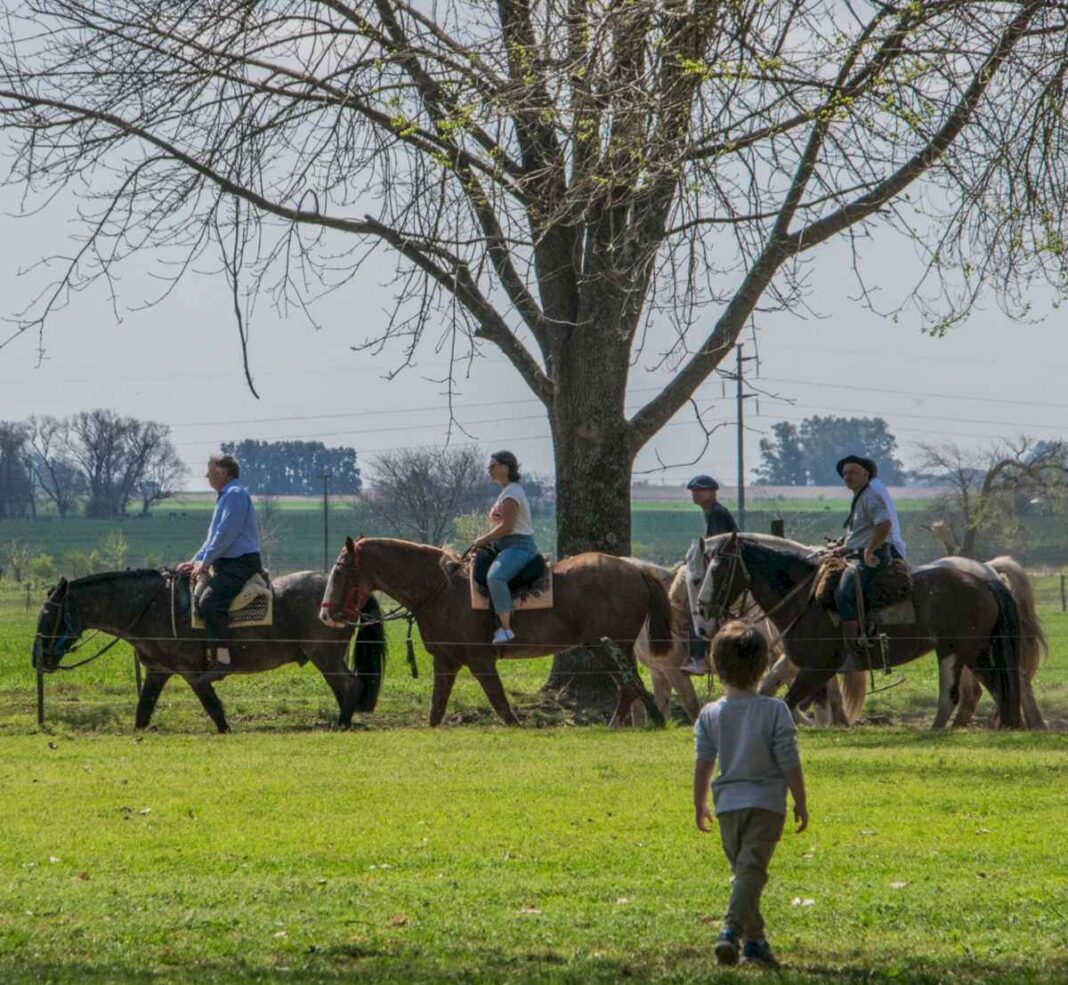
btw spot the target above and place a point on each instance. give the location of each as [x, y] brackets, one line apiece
[326, 617]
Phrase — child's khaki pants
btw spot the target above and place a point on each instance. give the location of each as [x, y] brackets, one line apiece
[749, 838]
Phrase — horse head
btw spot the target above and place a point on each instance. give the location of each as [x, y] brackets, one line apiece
[347, 589]
[57, 631]
[725, 580]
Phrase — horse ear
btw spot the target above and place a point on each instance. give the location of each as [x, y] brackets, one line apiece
[349, 545]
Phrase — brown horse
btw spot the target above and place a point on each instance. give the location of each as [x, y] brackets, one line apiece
[963, 612]
[595, 596]
[151, 611]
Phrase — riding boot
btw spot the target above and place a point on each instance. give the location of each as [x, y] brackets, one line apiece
[856, 649]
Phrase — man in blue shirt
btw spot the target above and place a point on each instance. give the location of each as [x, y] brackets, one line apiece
[232, 550]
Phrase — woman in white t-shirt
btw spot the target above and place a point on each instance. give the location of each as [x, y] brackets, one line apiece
[512, 537]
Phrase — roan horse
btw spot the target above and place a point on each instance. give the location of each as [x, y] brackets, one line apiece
[595, 596]
[963, 611]
[143, 608]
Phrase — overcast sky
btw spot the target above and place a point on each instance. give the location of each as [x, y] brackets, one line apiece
[179, 363]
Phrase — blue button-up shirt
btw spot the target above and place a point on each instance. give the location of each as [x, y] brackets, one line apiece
[233, 526]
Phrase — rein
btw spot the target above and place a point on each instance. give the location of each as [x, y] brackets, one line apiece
[737, 561]
[64, 613]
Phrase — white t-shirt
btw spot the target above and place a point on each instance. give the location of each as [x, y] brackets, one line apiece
[515, 491]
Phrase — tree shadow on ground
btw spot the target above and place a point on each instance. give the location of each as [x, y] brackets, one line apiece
[386, 963]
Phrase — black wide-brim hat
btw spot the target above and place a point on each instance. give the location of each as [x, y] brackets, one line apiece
[867, 464]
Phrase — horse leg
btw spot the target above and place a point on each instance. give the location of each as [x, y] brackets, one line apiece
[805, 685]
[949, 668]
[201, 685]
[969, 693]
[150, 691]
[331, 663]
[683, 687]
[1032, 716]
[485, 671]
[445, 672]
[661, 691]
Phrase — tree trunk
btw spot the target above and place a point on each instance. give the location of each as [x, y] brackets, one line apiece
[593, 459]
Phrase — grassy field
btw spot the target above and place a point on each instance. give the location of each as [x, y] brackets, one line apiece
[290, 852]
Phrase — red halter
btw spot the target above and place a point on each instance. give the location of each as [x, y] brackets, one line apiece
[355, 599]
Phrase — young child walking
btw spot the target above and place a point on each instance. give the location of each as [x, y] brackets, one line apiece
[753, 739]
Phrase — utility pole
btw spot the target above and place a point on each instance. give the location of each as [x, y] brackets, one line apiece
[741, 397]
[325, 476]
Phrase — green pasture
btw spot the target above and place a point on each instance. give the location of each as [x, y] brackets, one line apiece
[289, 851]
[660, 531]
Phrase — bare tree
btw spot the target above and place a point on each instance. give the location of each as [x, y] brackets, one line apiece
[268, 517]
[979, 512]
[550, 176]
[57, 474]
[163, 476]
[419, 493]
[117, 456]
[16, 485]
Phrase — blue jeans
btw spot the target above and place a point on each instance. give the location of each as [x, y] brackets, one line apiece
[515, 552]
[845, 595]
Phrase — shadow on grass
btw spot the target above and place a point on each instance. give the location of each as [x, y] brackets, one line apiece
[385, 963]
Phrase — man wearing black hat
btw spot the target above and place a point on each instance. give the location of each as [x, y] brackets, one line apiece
[867, 531]
[704, 490]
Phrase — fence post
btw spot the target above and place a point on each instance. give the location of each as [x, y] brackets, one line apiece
[778, 528]
[40, 695]
[27, 596]
[1064, 597]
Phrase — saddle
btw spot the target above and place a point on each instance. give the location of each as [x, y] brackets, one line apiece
[253, 605]
[532, 588]
[889, 598]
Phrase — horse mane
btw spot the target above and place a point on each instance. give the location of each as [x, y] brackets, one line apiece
[774, 557]
[451, 562]
[105, 577]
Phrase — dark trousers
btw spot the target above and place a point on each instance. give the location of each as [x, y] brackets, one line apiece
[230, 576]
[845, 596]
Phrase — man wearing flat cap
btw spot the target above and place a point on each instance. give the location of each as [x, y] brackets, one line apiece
[867, 535]
[704, 490]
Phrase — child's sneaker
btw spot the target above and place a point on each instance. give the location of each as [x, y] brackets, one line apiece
[727, 947]
[759, 952]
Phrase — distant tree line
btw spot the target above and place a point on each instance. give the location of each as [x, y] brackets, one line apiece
[98, 461]
[294, 468]
[805, 454]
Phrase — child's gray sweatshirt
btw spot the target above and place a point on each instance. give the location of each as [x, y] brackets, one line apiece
[753, 737]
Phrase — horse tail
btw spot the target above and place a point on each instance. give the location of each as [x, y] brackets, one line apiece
[854, 688]
[1002, 658]
[1034, 647]
[661, 638]
[369, 655]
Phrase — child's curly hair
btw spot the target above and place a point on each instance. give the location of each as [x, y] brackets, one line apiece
[740, 655]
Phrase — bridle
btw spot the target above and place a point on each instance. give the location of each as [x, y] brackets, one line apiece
[355, 598]
[719, 605]
[64, 613]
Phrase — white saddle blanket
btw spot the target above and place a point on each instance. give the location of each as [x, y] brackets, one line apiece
[253, 605]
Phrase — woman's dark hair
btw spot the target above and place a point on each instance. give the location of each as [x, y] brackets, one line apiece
[508, 459]
[740, 655]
